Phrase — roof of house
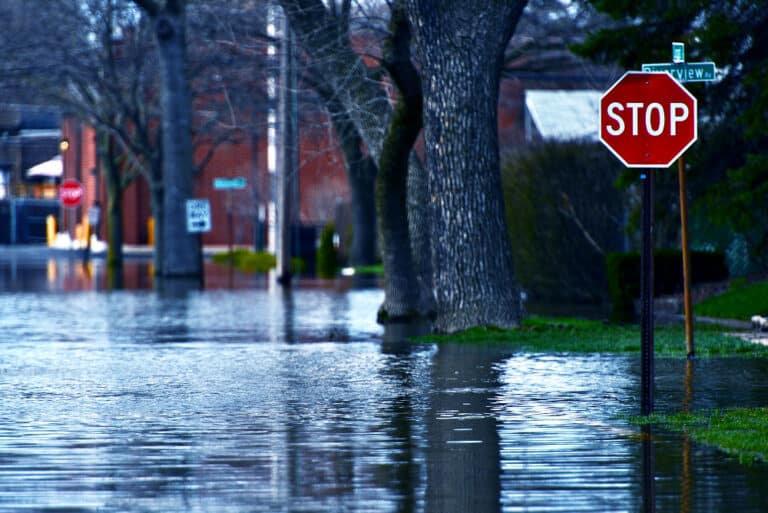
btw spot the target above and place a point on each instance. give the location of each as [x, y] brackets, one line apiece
[15, 117]
[564, 115]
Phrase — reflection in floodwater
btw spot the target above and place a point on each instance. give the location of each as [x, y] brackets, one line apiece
[649, 470]
[264, 400]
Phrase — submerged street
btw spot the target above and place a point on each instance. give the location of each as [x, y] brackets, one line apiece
[249, 399]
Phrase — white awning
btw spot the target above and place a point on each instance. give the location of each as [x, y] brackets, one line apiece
[562, 115]
[53, 168]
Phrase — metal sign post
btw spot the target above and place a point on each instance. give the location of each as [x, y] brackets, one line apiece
[647, 120]
[646, 297]
[229, 184]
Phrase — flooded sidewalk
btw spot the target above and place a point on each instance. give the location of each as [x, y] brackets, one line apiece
[249, 399]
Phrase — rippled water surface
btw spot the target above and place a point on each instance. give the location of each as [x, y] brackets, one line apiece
[252, 400]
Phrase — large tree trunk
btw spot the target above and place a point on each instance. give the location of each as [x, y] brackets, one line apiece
[461, 46]
[420, 237]
[181, 254]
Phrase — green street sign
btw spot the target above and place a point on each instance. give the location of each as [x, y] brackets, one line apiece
[685, 71]
[229, 183]
[678, 52]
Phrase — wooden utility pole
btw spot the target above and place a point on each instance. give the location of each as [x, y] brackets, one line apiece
[689, 346]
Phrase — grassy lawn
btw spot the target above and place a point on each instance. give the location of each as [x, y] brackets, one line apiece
[740, 432]
[552, 335]
[246, 260]
[377, 269]
[738, 303]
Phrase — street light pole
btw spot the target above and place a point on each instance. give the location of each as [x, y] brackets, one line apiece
[286, 168]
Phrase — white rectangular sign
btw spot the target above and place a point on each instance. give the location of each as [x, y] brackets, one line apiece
[198, 215]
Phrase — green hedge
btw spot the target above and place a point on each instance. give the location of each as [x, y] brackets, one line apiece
[327, 254]
[247, 261]
[564, 214]
[623, 270]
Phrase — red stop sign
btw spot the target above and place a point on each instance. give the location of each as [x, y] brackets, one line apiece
[70, 193]
[647, 119]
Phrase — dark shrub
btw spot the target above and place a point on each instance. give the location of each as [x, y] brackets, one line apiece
[327, 256]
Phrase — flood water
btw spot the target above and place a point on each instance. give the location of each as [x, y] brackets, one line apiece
[248, 399]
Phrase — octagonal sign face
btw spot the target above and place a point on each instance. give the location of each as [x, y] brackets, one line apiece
[70, 193]
[648, 119]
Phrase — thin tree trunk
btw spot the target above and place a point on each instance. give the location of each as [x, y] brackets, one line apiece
[361, 173]
[401, 298]
[461, 46]
[362, 179]
[114, 215]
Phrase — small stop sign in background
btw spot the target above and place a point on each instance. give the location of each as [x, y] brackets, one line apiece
[647, 119]
[70, 193]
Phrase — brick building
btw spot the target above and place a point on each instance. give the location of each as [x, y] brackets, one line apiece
[322, 184]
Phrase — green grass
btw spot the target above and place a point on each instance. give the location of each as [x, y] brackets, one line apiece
[370, 269]
[556, 335]
[740, 432]
[246, 260]
[738, 303]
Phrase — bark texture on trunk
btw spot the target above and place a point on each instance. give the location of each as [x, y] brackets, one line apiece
[181, 255]
[461, 46]
[419, 230]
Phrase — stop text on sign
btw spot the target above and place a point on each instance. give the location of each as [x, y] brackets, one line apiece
[70, 193]
[647, 119]
[656, 117]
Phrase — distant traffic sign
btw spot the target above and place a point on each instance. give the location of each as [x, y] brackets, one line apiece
[198, 215]
[229, 183]
[678, 52]
[70, 193]
[685, 71]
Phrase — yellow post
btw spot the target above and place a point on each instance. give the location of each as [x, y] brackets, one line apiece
[50, 229]
[151, 231]
[686, 260]
[86, 230]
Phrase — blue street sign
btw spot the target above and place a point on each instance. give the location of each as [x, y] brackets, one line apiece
[229, 183]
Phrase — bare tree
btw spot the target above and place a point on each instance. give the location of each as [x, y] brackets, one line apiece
[354, 92]
[98, 60]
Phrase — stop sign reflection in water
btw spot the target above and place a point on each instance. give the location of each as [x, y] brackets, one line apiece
[647, 119]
